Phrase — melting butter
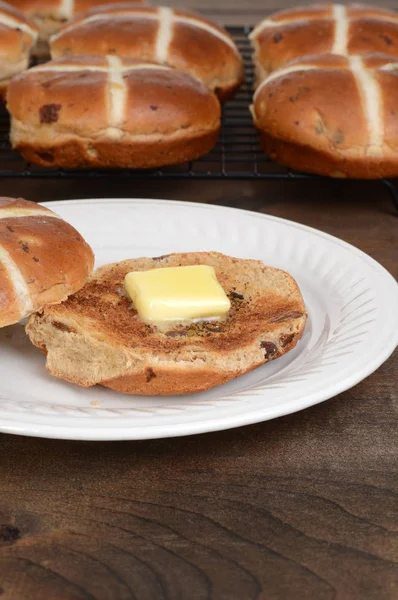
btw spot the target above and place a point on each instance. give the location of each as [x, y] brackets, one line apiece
[177, 294]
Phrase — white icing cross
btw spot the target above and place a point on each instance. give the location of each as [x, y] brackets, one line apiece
[15, 276]
[18, 212]
[372, 101]
[280, 72]
[13, 23]
[341, 29]
[18, 281]
[67, 9]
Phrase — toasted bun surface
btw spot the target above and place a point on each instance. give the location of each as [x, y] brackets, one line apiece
[110, 112]
[97, 337]
[43, 259]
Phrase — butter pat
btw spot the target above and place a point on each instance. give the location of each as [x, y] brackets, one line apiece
[177, 293]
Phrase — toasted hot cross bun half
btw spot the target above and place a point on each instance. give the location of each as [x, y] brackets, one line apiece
[96, 336]
[43, 259]
[332, 115]
[322, 29]
[178, 38]
[17, 37]
[111, 112]
[51, 15]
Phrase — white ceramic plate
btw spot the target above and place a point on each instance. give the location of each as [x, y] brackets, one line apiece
[352, 328]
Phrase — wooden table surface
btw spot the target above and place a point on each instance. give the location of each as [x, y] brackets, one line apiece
[302, 507]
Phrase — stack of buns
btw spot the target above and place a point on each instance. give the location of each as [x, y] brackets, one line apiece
[128, 87]
[131, 85]
[327, 77]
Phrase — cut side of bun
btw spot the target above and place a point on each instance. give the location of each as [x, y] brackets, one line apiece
[96, 336]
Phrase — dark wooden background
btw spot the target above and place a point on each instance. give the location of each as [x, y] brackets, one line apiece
[302, 507]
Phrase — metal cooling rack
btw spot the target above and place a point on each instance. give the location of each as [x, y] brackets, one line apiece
[237, 154]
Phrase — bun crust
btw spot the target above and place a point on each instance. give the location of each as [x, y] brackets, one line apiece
[43, 259]
[95, 337]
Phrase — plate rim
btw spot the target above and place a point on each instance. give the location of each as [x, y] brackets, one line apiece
[102, 433]
[252, 213]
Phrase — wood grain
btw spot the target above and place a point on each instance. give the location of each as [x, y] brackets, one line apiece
[302, 507]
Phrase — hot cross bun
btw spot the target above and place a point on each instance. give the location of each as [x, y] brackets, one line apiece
[43, 259]
[111, 112]
[177, 38]
[332, 115]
